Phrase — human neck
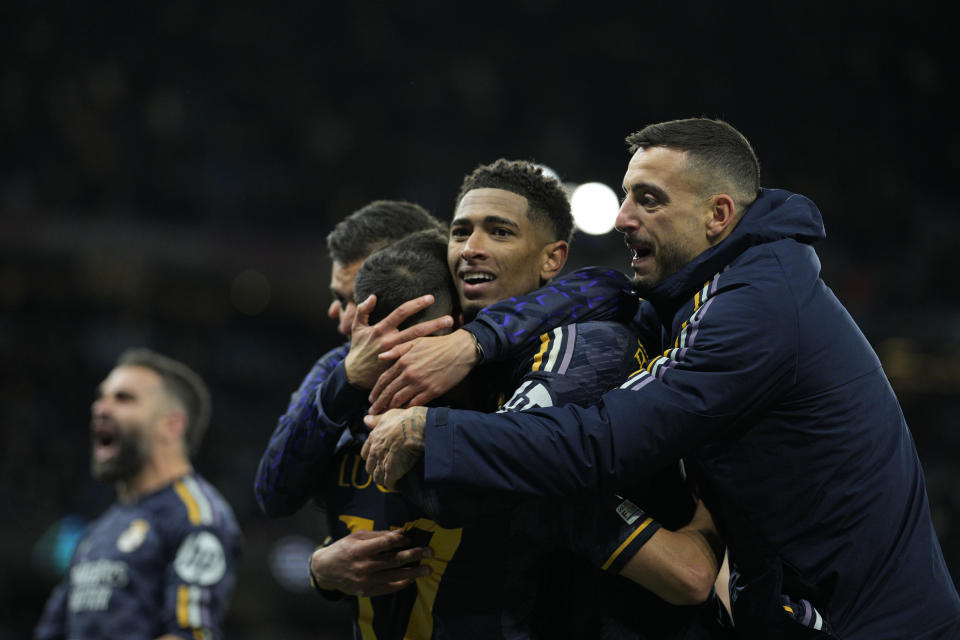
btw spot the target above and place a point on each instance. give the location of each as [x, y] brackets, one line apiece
[154, 475]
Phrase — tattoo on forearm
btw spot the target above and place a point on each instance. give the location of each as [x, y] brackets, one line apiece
[413, 426]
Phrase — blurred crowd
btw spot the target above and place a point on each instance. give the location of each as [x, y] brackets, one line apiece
[170, 172]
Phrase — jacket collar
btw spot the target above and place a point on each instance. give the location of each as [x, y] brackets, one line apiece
[775, 215]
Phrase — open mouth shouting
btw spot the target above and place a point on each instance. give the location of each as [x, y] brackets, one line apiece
[642, 253]
[105, 440]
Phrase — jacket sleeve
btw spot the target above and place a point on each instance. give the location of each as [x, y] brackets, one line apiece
[574, 363]
[299, 446]
[733, 355]
[593, 293]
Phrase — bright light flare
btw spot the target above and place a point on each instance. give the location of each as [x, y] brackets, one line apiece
[595, 207]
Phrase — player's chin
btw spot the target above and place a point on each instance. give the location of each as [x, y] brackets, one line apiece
[470, 308]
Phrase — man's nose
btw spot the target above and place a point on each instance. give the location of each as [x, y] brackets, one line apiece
[626, 220]
[473, 247]
[99, 407]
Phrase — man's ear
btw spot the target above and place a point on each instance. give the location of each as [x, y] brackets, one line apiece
[554, 257]
[722, 217]
[174, 424]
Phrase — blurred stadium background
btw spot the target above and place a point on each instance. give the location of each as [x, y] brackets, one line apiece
[170, 170]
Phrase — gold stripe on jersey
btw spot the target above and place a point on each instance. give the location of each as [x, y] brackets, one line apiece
[183, 606]
[193, 510]
[555, 348]
[444, 543]
[626, 543]
[544, 345]
[203, 504]
[189, 614]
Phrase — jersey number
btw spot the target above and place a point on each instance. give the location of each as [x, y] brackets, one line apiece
[444, 543]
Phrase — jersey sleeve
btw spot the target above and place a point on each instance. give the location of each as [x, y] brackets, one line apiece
[574, 363]
[201, 568]
[299, 446]
[504, 329]
[724, 365]
[53, 621]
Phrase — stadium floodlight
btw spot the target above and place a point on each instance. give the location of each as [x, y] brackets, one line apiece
[594, 206]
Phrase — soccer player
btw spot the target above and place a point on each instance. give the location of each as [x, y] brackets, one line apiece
[301, 446]
[509, 235]
[286, 476]
[161, 562]
[765, 384]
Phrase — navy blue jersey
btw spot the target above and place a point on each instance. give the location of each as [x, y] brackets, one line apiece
[164, 564]
[768, 387]
[557, 560]
[506, 570]
[301, 446]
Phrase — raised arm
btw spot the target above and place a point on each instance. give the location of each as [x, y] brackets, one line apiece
[429, 367]
[728, 365]
[306, 435]
[570, 364]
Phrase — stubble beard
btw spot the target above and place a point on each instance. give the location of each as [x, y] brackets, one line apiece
[669, 259]
[131, 456]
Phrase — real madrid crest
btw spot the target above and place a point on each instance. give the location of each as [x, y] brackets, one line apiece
[134, 535]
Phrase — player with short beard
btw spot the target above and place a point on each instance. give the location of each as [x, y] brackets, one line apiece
[161, 562]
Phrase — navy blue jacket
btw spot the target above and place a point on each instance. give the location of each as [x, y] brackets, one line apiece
[769, 389]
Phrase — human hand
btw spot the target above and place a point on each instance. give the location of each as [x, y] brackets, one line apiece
[424, 369]
[368, 563]
[366, 342]
[395, 445]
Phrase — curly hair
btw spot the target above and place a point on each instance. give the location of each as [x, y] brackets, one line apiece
[376, 225]
[549, 204]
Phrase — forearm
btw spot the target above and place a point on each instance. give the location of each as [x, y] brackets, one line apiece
[592, 293]
[557, 452]
[680, 566]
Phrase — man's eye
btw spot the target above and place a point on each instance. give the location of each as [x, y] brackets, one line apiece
[502, 232]
[648, 200]
[458, 234]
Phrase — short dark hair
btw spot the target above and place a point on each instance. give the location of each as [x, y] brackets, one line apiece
[548, 201]
[181, 382]
[720, 155]
[406, 269]
[376, 224]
